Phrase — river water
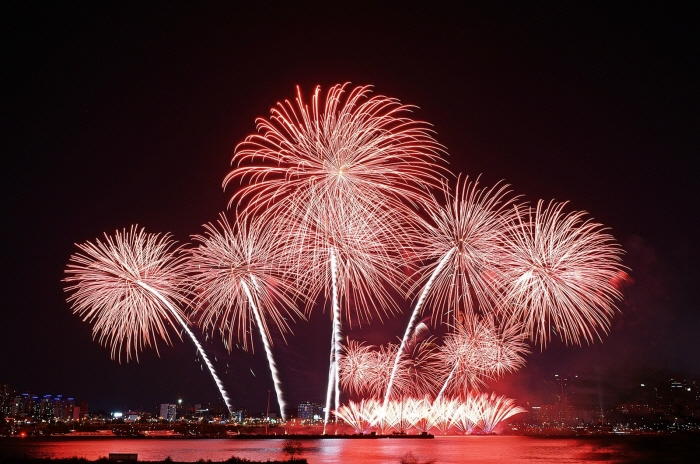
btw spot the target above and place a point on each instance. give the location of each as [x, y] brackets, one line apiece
[471, 449]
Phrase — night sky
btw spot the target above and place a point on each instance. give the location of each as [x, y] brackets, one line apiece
[116, 114]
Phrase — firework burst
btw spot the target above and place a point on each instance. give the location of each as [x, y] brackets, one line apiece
[106, 280]
[464, 244]
[479, 349]
[238, 272]
[561, 269]
[342, 170]
[354, 148]
[357, 367]
[422, 370]
[131, 286]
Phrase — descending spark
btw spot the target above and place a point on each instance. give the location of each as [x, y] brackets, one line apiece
[238, 272]
[340, 173]
[128, 285]
[561, 268]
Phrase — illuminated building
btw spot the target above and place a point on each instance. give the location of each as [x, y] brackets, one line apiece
[310, 411]
[168, 412]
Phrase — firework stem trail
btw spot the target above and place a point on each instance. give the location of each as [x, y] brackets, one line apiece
[268, 349]
[412, 322]
[447, 382]
[329, 391]
[219, 384]
[337, 335]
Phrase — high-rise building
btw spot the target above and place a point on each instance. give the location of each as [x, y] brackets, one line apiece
[83, 409]
[168, 412]
[238, 415]
[310, 411]
[566, 398]
[68, 406]
[44, 408]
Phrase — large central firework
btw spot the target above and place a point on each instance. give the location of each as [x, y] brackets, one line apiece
[343, 197]
[340, 171]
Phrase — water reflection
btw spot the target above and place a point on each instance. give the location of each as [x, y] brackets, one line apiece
[472, 449]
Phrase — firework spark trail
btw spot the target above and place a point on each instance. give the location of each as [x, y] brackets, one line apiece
[238, 271]
[412, 323]
[562, 268]
[329, 389]
[344, 169]
[268, 351]
[334, 372]
[127, 285]
[210, 366]
[447, 382]
[337, 334]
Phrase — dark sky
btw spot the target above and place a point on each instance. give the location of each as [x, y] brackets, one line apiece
[121, 113]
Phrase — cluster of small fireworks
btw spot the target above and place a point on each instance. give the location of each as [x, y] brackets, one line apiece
[475, 412]
[344, 197]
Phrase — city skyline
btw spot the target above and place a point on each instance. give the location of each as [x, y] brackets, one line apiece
[114, 149]
[667, 405]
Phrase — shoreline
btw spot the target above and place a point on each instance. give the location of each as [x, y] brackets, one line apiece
[255, 436]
